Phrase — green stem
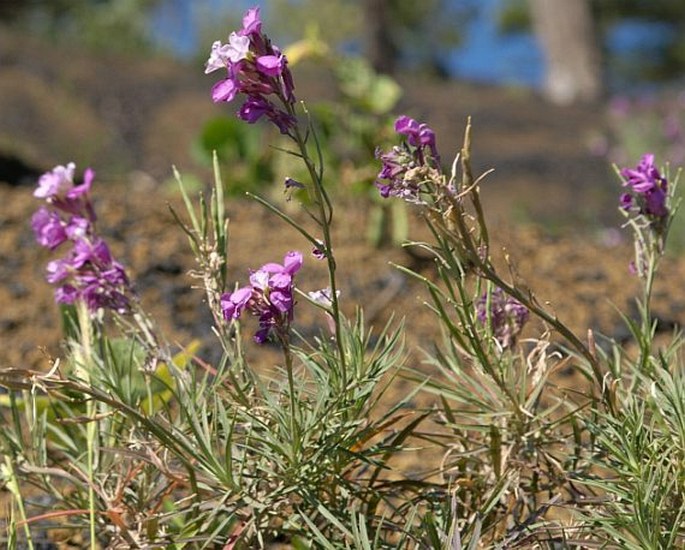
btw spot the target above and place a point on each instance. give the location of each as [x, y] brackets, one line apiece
[646, 308]
[86, 363]
[326, 216]
[13, 485]
[465, 241]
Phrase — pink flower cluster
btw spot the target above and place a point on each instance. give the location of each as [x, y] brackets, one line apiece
[647, 190]
[257, 69]
[400, 174]
[88, 271]
[269, 297]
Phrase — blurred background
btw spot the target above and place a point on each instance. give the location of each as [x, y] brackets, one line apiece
[566, 52]
[119, 83]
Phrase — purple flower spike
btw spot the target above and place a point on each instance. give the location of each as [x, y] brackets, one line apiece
[647, 191]
[269, 297]
[406, 167]
[87, 272]
[257, 69]
[48, 227]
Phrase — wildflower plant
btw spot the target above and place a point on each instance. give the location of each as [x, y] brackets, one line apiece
[141, 447]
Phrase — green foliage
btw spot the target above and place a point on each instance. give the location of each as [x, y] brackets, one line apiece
[366, 90]
[109, 25]
[239, 147]
[640, 458]
[420, 31]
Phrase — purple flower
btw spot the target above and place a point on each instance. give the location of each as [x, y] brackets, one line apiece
[626, 201]
[270, 65]
[66, 294]
[56, 183]
[221, 55]
[269, 297]
[225, 90]
[77, 227]
[58, 270]
[78, 191]
[323, 296]
[257, 69]
[406, 168]
[644, 177]
[218, 57]
[93, 251]
[319, 251]
[48, 227]
[252, 24]
[233, 304]
[418, 135]
[238, 48]
[292, 262]
[504, 315]
[655, 203]
[647, 191]
[87, 271]
[290, 183]
[253, 109]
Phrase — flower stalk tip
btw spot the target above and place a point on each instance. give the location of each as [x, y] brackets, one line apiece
[87, 272]
[269, 297]
[256, 69]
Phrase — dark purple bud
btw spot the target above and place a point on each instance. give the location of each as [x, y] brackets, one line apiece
[253, 109]
[290, 183]
[626, 201]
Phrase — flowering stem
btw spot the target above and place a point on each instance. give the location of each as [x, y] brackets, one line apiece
[326, 216]
[474, 252]
[646, 333]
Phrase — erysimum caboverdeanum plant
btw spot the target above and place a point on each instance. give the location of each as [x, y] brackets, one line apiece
[142, 448]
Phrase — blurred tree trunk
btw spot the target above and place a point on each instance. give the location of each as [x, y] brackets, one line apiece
[381, 51]
[566, 32]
